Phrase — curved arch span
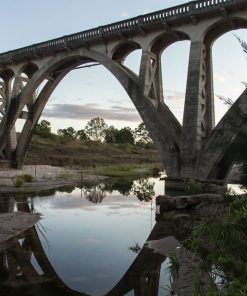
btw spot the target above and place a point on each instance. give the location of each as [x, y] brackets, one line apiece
[220, 28]
[29, 69]
[161, 42]
[123, 49]
[7, 74]
[164, 129]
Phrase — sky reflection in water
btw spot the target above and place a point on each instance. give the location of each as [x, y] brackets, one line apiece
[88, 243]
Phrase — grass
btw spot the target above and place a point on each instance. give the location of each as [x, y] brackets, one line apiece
[85, 154]
[123, 170]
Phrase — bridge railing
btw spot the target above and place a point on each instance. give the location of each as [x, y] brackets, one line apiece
[158, 17]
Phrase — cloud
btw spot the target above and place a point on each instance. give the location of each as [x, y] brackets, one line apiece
[148, 10]
[219, 78]
[88, 111]
[175, 98]
[174, 92]
[124, 13]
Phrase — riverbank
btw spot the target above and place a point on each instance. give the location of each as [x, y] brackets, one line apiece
[78, 154]
[34, 178]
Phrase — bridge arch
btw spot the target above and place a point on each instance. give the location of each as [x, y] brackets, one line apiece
[28, 69]
[57, 68]
[161, 42]
[6, 74]
[222, 142]
[221, 27]
[123, 49]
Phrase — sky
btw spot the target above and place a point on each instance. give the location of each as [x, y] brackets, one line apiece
[94, 92]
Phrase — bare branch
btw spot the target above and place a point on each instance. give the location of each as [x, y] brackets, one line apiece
[227, 101]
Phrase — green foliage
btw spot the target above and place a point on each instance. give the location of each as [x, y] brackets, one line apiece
[122, 186]
[110, 134]
[19, 181]
[174, 264]
[142, 137]
[43, 129]
[67, 133]
[173, 270]
[81, 135]
[122, 136]
[22, 179]
[221, 242]
[27, 178]
[95, 129]
[125, 136]
[193, 187]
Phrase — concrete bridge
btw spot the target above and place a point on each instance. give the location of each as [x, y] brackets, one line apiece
[194, 148]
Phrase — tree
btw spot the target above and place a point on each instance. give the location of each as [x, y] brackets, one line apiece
[43, 129]
[110, 134]
[125, 136]
[69, 133]
[95, 129]
[142, 136]
[81, 135]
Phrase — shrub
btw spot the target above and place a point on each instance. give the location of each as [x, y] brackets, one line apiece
[193, 187]
[19, 181]
[27, 178]
[22, 179]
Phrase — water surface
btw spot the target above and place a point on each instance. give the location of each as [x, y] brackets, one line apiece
[87, 241]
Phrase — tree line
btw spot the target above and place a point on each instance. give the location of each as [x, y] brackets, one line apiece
[97, 130]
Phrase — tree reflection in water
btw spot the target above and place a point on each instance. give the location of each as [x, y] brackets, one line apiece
[144, 189]
[124, 187]
[95, 194]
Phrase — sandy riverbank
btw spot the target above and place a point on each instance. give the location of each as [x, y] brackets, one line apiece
[44, 177]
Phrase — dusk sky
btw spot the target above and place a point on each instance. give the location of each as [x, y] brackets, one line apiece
[94, 92]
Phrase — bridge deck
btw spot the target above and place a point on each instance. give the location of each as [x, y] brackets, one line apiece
[176, 14]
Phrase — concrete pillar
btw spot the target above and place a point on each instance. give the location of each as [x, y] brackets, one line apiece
[198, 120]
[12, 138]
[210, 114]
[151, 77]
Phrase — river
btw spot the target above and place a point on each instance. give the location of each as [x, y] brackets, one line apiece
[86, 241]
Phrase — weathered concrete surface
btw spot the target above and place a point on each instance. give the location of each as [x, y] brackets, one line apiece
[12, 224]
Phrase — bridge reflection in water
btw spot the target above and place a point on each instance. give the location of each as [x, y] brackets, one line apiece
[26, 270]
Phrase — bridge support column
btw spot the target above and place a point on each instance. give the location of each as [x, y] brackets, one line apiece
[198, 120]
[11, 138]
[151, 77]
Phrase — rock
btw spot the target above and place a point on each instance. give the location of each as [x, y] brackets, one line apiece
[168, 203]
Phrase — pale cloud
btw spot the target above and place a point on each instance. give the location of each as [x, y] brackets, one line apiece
[124, 13]
[175, 98]
[147, 11]
[88, 111]
[219, 78]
